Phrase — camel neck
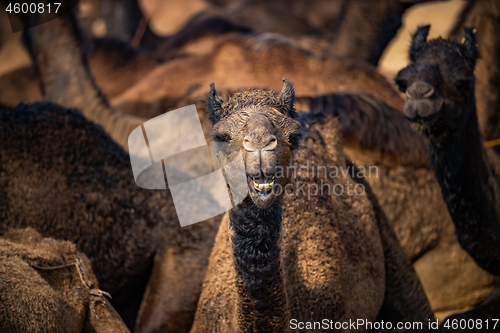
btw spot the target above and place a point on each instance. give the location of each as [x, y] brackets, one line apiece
[56, 48]
[255, 239]
[470, 189]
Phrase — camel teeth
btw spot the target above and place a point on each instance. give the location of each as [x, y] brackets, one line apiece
[262, 186]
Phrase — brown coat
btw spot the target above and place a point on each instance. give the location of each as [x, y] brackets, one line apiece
[46, 285]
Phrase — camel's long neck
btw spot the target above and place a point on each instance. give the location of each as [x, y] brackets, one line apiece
[470, 188]
[255, 239]
[56, 50]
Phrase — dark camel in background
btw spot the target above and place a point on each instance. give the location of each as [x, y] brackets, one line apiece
[439, 85]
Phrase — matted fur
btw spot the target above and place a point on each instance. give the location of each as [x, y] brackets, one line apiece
[406, 189]
[468, 178]
[63, 176]
[336, 255]
[372, 124]
[48, 286]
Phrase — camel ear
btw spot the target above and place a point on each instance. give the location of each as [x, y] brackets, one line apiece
[418, 41]
[215, 110]
[287, 97]
[470, 43]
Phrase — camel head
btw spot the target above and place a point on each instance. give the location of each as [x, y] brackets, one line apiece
[439, 81]
[261, 123]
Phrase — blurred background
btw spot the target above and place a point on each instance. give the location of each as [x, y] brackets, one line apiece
[166, 17]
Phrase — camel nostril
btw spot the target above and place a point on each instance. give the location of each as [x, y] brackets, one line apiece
[248, 145]
[272, 144]
[429, 93]
[419, 90]
[260, 143]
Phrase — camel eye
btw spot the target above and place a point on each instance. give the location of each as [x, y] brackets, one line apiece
[221, 137]
[402, 84]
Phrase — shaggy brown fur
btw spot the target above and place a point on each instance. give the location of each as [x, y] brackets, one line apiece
[377, 136]
[159, 239]
[407, 192]
[48, 286]
[410, 196]
[439, 84]
[253, 62]
[63, 77]
[63, 176]
[441, 105]
[484, 15]
[369, 122]
[333, 253]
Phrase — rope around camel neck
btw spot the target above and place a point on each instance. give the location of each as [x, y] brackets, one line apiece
[76, 264]
[97, 293]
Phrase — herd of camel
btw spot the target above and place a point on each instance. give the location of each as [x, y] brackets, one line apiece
[84, 249]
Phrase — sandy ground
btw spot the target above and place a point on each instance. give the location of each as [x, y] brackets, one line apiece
[440, 14]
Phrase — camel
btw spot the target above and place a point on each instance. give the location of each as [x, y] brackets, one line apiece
[375, 135]
[255, 62]
[62, 77]
[106, 60]
[484, 15]
[47, 285]
[433, 98]
[354, 29]
[73, 86]
[280, 256]
[439, 85]
[192, 73]
[328, 27]
[313, 74]
[109, 59]
[63, 176]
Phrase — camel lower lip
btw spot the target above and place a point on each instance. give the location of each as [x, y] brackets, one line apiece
[424, 119]
[261, 197]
